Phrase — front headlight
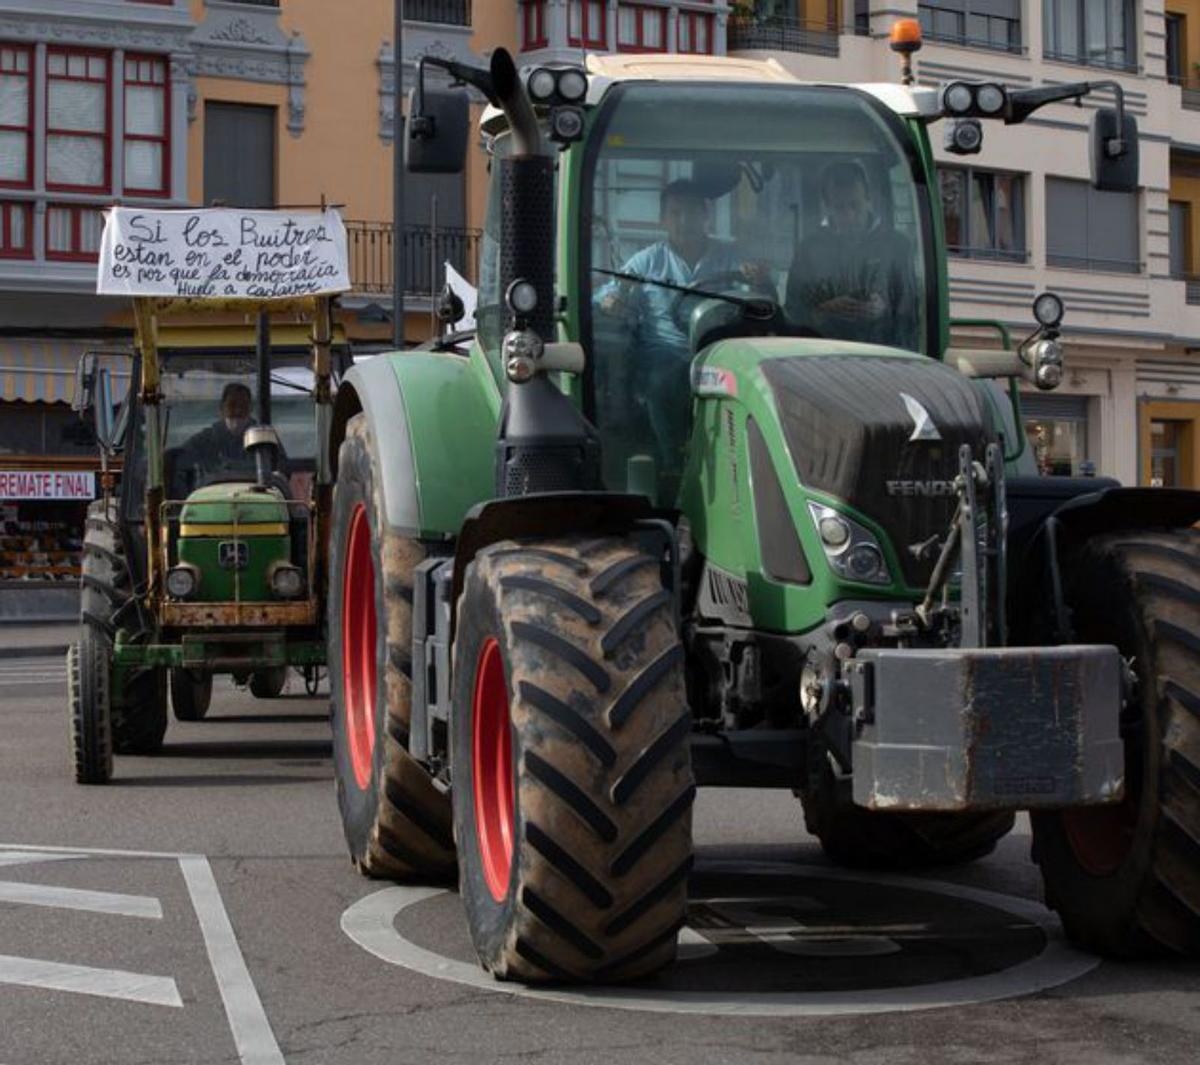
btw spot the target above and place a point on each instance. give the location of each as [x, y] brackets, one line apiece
[287, 582]
[182, 582]
[851, 550]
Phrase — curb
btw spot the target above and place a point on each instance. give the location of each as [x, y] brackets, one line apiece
[45, 651]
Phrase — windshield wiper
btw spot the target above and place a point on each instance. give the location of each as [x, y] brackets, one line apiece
[286, 383]
[755, 306]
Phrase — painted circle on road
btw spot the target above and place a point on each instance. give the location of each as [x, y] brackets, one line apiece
[778, 939]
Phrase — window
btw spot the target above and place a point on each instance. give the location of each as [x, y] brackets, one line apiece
[984, 213]
[533, 24]
[1180, 230]
[146, 130]
[1176, 48]
[73, 232]
[695, 32]
[239, 154]
[979, 23]
[1091, 230]
[1057, 430]
[586, 24]
[16, 115]
[1091, 32]
[641, 28]
[77, 131]
[15, 242]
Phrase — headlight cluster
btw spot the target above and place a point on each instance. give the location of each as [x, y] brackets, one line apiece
[851, 550]
[287, 581]
[182, 581]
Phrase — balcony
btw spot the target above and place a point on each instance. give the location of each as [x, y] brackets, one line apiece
[444, 12]
[781, 33]
[369, 246]
[1191, 287]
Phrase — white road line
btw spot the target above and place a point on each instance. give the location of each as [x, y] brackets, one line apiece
[76, 899]
[4, 683]
[84, 980]
[89, 852]
[10, 858]
[247, 1019]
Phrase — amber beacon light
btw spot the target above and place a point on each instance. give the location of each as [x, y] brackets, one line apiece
[905, 39]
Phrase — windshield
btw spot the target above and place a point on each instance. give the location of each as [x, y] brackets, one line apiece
[803, 196]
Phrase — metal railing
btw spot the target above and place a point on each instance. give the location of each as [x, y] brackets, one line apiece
[1191, 287]
[1082, 59]
[1189, 89]
[967, 41]
[782, 33]
[1080, 262]
[996, 255]
[425, 252]
[258, 3]
[447, 12]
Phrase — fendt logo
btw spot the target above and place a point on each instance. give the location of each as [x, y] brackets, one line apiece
[923, 427]
[927, 489]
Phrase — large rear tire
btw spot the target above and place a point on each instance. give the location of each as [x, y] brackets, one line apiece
[191, 694]
[866, 839]
[88, 704]
[1125, 879]
[268, 683]
[139, 706]
[396, 823]
[572, 776]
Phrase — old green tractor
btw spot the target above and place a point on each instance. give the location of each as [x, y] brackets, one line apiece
[205, 556]
[732, 509]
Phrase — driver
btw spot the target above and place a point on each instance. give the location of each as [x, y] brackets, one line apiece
[852, 279]
[220, 445]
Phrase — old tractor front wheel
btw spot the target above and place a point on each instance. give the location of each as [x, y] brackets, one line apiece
[191, 694]
[572, 777]
[268, 683]
[1124, 878]
[88, 672]
[396, 822]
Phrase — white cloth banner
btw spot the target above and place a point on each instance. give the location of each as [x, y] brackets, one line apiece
[47, 484]
[221, 253]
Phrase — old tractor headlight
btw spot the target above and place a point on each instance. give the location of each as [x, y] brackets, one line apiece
[850, 549]
[287, 582]
[182, 581]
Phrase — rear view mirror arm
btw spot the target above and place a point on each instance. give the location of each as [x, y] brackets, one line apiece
[1023, 102]
[422, 125]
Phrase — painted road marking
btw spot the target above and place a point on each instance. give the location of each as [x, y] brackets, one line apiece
[370, 922]
[76, 899]
[84, 980]
[252, 1034]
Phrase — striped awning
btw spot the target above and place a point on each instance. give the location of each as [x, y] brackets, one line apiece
[43, 371]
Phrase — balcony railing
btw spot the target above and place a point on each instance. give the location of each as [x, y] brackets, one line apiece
[425, 251]
[1191, 287]
[1189, 89]
[781, 33]
[995, 255]
[258, 3]
[446, 12]
[1107, 266]
[1103, 60]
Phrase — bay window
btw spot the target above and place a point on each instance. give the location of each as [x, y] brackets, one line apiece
[146, 125]
[73, 231]
[77, 128]
[586, 24]
[533, 24]
[695, 33]
[16, 115]
[641, 28]
[15, 236]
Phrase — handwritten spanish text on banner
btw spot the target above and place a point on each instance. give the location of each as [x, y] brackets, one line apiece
[219, 253]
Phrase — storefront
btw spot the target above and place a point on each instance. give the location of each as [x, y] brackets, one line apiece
[1057, 429]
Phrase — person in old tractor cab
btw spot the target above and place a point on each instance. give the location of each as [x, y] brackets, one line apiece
[219, 447]
[852, 278]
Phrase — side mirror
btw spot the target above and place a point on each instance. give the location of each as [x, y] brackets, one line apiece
[104, 423]
[85, 385]
[94, 401]
[1114, 151]
[437, 133]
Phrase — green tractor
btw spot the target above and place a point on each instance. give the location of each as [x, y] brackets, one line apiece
[204, 556]
[656, 528]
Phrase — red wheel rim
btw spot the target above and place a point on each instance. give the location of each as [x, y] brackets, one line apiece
[358, 647]
[1101, 838]
[492, 769]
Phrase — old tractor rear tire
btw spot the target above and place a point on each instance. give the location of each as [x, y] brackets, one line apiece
[1125, 879]
[191, 694]
[88, 704]
[139, 708]
[268, 683]
[573, 785]
[396, 823]
[865, 839]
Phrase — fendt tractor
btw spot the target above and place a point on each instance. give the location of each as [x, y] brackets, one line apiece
[730, 509]
[202, 559]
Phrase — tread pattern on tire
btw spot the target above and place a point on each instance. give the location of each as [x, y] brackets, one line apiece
[412, 833]
[597, 699]
[87, 701]
[1161, 573]
[139, 710]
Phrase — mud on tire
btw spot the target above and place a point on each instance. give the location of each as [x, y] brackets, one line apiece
[396, 823]
[1125, 880]
[575, 644]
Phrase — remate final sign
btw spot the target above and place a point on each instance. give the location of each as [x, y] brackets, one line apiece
[221, 253]
[47, 484]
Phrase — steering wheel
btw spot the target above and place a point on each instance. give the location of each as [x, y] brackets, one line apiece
[715, 283]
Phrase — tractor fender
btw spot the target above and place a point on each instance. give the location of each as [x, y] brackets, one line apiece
[433, 433]
[1045, 543]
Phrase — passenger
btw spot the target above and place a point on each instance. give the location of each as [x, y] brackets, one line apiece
[852, 279]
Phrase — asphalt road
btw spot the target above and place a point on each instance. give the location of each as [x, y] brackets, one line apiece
[202, 909]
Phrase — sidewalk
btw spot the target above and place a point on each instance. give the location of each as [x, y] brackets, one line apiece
[36, 640]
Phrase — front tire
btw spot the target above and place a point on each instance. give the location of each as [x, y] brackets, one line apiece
[268, 683]
[191, 694]
[90, 712]
[572, 777]
[1125, 878]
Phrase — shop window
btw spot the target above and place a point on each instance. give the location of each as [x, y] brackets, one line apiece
[1057, 429]
[533, 24]
[1167, 430]
[16, 240]
[77, 129]
[695, 33]
[984, 213]
[641, 28]
[73, 232]
[1090, 32]
[1091, 230]
[977, 23]
[147, 130]
[586, 24]
[16, 115]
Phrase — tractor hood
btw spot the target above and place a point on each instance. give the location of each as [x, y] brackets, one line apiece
[215, 509]
[876, 428]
